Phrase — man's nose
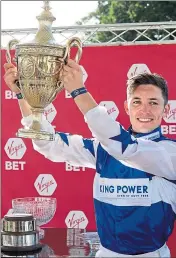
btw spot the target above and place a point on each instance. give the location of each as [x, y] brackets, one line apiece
[145, 107]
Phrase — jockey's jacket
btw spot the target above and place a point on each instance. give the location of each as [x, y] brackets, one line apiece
[134, 187]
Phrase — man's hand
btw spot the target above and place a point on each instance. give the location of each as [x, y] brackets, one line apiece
[72, 76]
[73, 80]
[10, 77]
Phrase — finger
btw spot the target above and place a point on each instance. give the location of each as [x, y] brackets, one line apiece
[11, 80]
[70, 70]
[64, 73]
[67, 77]
[73, 64]
[67, 68]
[8, 65]
[11, 71]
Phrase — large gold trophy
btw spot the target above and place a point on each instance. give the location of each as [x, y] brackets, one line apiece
[40, 64]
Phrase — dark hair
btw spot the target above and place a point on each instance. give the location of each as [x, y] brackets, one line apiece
[148, 78]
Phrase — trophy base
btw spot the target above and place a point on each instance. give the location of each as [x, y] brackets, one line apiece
[35, 135]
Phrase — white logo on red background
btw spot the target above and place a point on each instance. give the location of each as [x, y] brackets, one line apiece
[15, 148]
[111, 107]
[136, 69]
[171, 115]
[76, 219]
[69, 167]
[50, 112]
[85, 76]
[10, 95]
[45, 184]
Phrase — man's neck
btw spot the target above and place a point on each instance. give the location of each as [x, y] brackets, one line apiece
[153, 134]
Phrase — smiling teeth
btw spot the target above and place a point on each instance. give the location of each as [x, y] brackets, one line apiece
[145, 119]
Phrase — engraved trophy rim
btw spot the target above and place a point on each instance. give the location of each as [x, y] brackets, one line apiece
[33, 44]
[36, 49]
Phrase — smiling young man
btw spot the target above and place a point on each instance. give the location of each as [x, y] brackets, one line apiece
[135, 181]
[147, 102]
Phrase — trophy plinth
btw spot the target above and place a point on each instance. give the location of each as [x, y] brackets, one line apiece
[35, 131]
[35, 135]
[40, 65]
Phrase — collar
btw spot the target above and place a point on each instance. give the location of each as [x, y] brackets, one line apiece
[155, 134]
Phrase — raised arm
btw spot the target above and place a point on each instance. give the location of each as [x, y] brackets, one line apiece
[73, 149]
[158, 158]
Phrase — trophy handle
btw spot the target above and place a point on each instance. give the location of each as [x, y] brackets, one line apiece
[8, 55]
[72, 42]
[9, 47]
[75, 42]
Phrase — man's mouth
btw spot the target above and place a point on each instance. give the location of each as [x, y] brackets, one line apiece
[145, 120]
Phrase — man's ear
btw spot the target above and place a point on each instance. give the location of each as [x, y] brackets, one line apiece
[166, 110]
[126, 107]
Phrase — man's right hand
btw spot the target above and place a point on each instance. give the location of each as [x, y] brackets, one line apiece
[11, 76]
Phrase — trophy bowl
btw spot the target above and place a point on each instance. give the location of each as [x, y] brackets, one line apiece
[39, 70]
[42, 209]
[40, 65]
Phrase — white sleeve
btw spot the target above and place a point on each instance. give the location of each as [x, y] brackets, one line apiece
[73, 149]
[157, 158]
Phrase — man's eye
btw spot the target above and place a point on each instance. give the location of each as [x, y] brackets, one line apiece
[136, 102]
[153, 103]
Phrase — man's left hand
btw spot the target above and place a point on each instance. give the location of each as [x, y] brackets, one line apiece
[72, 76]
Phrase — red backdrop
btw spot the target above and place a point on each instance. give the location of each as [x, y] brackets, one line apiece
[27, 173]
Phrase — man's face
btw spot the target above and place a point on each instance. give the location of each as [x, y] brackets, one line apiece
[145, 107]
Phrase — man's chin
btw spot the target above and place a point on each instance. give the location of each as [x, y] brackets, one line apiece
[146, 129]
